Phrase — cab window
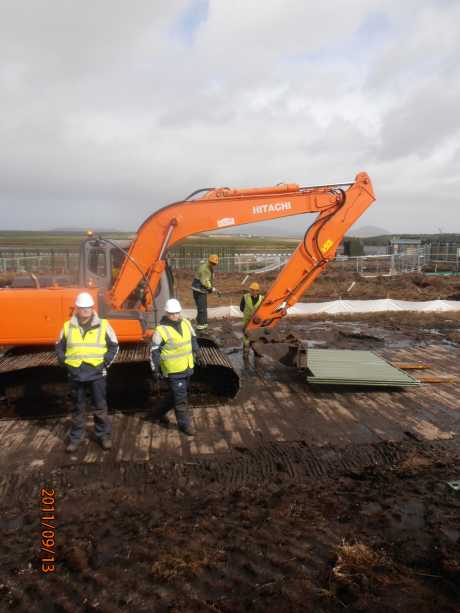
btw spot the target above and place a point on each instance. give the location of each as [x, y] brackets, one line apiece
[97, 263]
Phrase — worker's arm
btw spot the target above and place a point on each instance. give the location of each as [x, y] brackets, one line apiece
[195, 345]
[60, 347]
[155, 351]
[242, 304]
[112, 346]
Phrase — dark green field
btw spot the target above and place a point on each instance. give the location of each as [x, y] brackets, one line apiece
[13, 238]
[37, 239]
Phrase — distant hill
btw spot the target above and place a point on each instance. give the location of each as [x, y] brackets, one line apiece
[366, 231]
[85, 230]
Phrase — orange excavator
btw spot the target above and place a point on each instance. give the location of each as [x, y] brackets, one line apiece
[30, 318]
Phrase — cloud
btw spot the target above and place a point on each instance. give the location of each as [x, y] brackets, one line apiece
[110, 110]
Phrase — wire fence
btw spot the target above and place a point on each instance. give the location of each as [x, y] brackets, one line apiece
[49, 262]
[66, 261]
[255, 263]
[366, 266]
[382, 265]
[441, 260]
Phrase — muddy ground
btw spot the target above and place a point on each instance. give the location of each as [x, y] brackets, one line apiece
[331, 285]
[278, 524]
[182, 537]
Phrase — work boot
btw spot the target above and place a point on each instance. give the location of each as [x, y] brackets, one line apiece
[183, 419]
[72, 446]
[159, 413]
[187, 430]
[106, 443]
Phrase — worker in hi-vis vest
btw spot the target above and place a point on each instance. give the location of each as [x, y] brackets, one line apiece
[249, 304]
[87, 346]
[202, 285]
[172, 357]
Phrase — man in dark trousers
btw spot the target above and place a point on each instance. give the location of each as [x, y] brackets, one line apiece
[202, 285]
[249, 304]
[87, 346]
[174, 346]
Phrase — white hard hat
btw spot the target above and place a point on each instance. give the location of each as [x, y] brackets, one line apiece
[84, 300]
[173, 306]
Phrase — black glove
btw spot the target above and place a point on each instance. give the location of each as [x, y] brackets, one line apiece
[157, 376]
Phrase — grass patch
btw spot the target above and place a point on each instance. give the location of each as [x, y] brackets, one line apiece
[30, 239]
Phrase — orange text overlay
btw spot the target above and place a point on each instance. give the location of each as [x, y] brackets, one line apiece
[48, 529]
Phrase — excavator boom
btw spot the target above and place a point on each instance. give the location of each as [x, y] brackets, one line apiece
[223, 208]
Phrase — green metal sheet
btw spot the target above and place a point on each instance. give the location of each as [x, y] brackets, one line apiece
[349, 367]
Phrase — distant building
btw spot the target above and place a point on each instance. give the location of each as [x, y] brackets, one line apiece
[404, 246]
[375, 250]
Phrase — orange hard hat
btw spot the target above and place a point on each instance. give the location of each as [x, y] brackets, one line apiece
[255, 286]
[213, 259]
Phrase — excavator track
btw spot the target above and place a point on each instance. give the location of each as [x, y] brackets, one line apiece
[32, 385]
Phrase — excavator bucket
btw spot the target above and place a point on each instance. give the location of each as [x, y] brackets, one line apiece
[270, 343]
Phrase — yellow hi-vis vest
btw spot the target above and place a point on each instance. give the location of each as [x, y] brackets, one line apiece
[249, 308]
[89, 349]
[176, 354]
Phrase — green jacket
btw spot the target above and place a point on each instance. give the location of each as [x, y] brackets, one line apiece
[203, 281]
[249, 307]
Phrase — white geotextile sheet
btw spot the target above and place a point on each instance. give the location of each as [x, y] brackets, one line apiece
[337, 307]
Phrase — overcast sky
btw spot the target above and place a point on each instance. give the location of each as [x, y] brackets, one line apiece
[110, 109]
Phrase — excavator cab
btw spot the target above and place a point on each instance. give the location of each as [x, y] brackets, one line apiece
[100, 262]
[100, 265]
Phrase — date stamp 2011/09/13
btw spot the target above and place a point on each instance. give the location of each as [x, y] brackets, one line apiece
[48, 529]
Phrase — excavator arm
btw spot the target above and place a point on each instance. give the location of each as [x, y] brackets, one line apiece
[215, 209]
[312, 255]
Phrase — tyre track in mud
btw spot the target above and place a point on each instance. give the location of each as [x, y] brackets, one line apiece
[272, 462]
[214, 535]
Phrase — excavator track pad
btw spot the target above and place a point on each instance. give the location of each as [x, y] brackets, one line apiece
[32, 384]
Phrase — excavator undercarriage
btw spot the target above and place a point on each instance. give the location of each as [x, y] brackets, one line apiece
[33, 385]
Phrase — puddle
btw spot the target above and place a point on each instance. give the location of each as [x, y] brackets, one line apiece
[311, 344]
[449, 343]
[398, 343]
